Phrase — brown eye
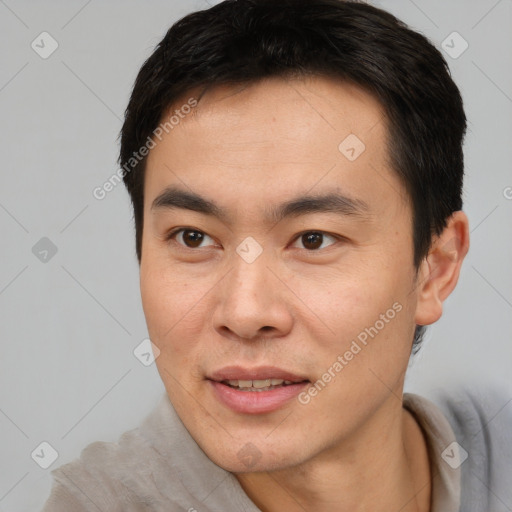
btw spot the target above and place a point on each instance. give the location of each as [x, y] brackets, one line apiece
[313, 240]
[189, 238]
[192, 238]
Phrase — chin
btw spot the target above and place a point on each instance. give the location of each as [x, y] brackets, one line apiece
[246, 457]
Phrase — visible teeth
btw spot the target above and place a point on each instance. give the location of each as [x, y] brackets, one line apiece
[261, 383]
[258, 384]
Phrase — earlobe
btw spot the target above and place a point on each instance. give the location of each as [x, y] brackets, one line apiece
[439, 271]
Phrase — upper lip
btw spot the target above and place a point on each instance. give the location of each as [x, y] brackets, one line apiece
[257, 373]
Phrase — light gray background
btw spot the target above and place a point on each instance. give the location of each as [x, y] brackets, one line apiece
[69, 326]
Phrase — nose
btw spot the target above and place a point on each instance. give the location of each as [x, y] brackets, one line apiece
[252, 302]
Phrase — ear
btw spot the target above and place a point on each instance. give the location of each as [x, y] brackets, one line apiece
[439, 271]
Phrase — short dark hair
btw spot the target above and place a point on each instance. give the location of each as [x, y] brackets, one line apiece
[245, 41]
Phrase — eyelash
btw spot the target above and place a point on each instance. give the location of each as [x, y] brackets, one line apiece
[169, 237]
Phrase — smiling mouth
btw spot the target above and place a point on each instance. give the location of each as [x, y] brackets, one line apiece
[255, 390]
[259, 385]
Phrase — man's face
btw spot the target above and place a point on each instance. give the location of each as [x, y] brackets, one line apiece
[322, 290]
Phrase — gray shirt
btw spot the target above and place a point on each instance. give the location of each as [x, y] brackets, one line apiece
[158, 466]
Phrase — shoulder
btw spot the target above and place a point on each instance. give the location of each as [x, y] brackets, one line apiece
[481, 418]
[91, 481]
[117, 476]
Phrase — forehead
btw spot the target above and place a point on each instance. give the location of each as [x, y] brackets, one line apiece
[277, 136]
[278, 110]
[331, 98]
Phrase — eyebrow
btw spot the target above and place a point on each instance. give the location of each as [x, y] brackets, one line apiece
[173, 197]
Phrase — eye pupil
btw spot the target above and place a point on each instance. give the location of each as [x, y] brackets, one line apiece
[312, 240]
[192, 238]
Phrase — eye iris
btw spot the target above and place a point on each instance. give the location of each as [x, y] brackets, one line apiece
[312, 240]
[192, 238]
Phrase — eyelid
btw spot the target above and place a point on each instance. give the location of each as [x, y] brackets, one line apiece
[170, 235]
[337, 238]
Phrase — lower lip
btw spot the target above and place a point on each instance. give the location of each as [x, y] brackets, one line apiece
[256, 402]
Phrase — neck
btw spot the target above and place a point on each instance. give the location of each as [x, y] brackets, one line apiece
[376, 470]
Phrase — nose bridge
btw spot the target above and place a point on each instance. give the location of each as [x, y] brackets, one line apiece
[249, 277]
[251, 297]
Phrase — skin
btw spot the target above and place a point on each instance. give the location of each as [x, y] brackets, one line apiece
[353, 446]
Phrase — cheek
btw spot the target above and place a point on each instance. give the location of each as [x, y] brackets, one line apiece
[173, 306]
[347, 299]
[174, 320]
[369, 317]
